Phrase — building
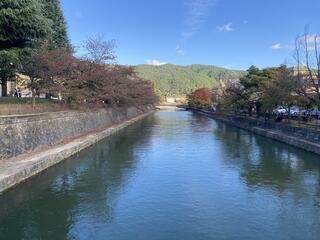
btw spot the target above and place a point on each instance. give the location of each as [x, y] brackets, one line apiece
[20, 83]
[305, 73]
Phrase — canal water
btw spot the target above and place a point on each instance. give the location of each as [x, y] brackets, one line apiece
[173, 175]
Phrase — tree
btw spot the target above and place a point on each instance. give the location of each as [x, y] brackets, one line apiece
[253, 78]
[307, 70]
[114, 85]
[99, 51]
[200, 98]
[9, 60]
[56, 72]
[21, 26]
[111, 83]
[252, 84]
[21, 23]
[58, 37]
[261, 90]
[49, 71]
[174, 81]
[59, 73]
[233, 95]
[278, 89]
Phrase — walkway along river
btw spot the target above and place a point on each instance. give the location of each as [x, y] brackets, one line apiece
[173, 175]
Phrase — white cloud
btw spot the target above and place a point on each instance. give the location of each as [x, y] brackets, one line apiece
[278, 46]
[180, 51]
[226, 27]
[198, 13]
[154, 62]
[310, 39]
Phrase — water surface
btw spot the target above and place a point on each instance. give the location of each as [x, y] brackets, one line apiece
[173, 175]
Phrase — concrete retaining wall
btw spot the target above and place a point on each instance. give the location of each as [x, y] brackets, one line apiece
[306, 139]
[15, 171]
[25, 133]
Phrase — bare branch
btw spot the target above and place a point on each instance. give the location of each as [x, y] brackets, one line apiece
[316, 47]
[297, 56]
[100, 51]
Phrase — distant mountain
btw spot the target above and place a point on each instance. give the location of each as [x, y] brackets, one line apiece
[174, 80]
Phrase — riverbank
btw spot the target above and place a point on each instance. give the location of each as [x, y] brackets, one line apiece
[19, 168]
[194, 177]
[24, 133]
[305, 139]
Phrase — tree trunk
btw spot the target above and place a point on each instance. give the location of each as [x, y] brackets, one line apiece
[4, 88]
[33, 98]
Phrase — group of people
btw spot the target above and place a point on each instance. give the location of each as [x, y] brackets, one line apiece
[16, 93]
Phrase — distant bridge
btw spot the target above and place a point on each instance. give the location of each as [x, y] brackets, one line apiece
[172, 107]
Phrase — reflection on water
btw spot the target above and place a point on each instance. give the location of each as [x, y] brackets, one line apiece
[174, 175]
[265, 163]
[50, 204]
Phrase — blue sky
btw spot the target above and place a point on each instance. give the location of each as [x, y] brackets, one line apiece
[228, 33]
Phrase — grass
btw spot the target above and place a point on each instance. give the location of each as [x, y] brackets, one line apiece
[16, 100]
[17, 106]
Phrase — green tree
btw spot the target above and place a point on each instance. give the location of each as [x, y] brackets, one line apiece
[233, 96]
[58, 36]
[252, 84]
[253, 79]
[22, 25]
[263, 90]
[280, 89]
[174, 80]
[9, 59]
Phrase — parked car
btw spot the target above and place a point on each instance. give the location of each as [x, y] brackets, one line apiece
[311, 113]
[294, 111]
[306, 112]
[244, 110]
[280, 110]
[315, 113]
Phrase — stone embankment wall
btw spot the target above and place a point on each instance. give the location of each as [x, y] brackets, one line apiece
[22, 134]
[303, 138]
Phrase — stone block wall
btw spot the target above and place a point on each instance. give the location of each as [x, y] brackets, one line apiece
[21, 134]
[303, 138]
[298, 132]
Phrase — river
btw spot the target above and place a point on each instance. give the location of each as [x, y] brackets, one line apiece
[173, 175]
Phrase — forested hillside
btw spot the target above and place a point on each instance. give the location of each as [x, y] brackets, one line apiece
[174, 80]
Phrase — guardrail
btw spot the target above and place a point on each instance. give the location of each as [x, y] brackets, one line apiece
[294, 121]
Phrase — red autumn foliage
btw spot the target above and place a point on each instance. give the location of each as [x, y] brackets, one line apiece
[51, 72]
[115, 85]
[201, 97]
[59, 73]
[202, 94]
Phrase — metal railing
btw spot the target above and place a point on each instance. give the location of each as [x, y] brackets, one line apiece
[299, 121]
